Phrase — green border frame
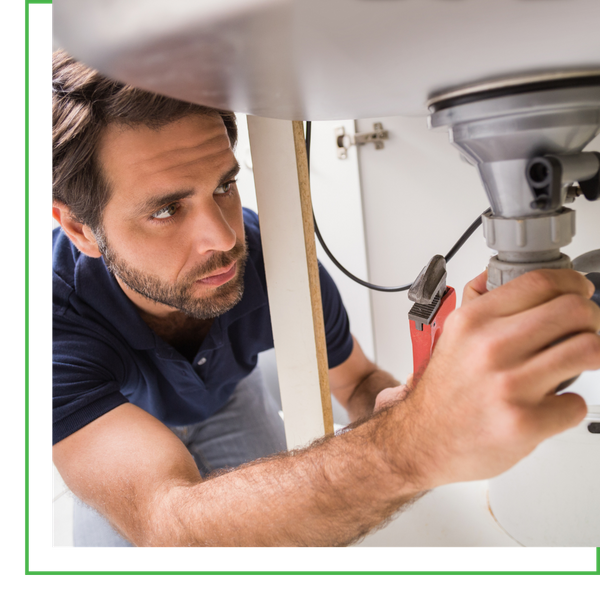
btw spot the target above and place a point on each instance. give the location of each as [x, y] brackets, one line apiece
[26, 393]
[28, 571]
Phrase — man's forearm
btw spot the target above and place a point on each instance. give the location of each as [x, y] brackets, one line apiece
[319, 496]
[362, 401]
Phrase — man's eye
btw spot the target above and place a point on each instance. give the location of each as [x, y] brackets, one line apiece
[224, 188]
[166, 212]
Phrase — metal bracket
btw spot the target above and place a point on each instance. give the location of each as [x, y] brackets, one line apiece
[551, 178]
[345, 140]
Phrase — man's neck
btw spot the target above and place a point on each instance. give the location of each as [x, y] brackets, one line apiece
[183, 332]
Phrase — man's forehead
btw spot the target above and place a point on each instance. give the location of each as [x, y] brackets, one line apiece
[191, 139]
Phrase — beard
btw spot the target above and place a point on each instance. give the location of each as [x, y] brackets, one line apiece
[180, 295]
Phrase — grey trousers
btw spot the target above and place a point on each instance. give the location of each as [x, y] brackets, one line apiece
[246, 428]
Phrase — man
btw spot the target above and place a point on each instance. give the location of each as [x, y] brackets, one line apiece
[160, 311]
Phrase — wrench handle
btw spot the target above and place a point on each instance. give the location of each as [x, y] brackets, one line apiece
[423, 342]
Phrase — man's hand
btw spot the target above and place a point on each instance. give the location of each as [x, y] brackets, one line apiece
[474, 289]
[488, 396]
[391, 395]
[357, 381]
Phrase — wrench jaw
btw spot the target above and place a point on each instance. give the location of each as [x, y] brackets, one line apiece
[430, 283]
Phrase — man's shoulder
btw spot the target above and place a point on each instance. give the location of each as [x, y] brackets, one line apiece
[252, 229]
[64, 258]
[251, 223]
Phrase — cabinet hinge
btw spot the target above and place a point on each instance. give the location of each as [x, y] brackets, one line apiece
[345, 140]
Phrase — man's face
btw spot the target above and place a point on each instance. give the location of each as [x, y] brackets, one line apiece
[173, 230]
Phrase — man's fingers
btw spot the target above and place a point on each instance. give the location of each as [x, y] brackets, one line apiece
[536, 329]
[556, 414]
[475, 288]
[547, 370]
[532, 289]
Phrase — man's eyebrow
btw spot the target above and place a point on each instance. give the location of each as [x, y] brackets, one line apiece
[152, 204]
[230, 174]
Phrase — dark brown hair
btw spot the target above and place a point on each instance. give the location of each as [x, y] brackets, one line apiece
[84, 102]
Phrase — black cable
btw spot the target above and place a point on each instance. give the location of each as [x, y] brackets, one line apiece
[465, 236]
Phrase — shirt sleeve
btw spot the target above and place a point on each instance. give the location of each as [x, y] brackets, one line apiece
[83, 379]
[337, 325]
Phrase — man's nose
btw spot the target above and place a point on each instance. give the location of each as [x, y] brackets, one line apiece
[212, 231]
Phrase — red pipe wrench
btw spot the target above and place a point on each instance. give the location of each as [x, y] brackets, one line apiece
[433, 302]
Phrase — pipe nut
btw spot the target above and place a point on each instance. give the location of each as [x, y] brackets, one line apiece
[530, 234]
[501, 272]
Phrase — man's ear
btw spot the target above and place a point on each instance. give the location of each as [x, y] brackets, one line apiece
[81, 235]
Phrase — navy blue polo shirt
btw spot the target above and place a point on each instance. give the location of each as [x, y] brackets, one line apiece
[104, 354]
